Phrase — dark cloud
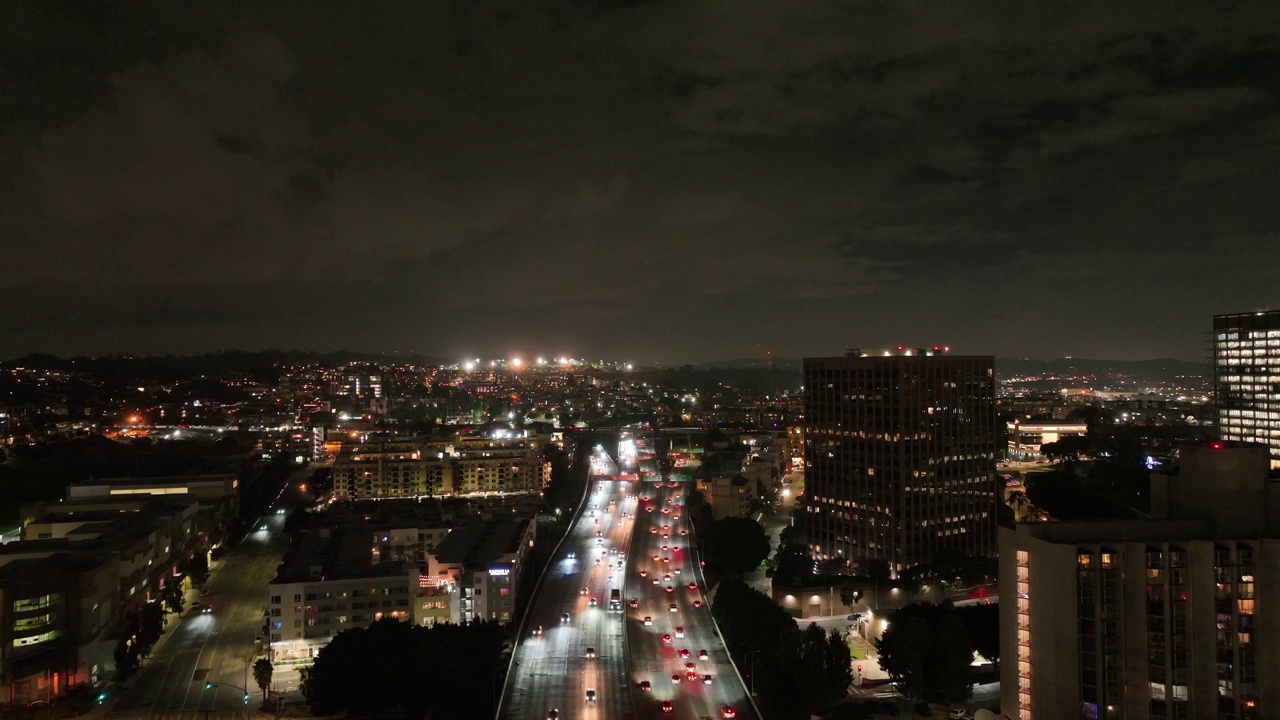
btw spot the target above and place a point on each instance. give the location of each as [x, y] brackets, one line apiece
[663, 180]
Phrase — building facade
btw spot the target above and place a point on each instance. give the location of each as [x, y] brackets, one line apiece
[1246, 378]
[899, 456]
[1025, 438]
[1159, 618]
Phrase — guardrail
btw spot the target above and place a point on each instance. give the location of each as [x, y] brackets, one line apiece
[693, 549]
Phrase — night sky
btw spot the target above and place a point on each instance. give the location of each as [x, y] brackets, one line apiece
[648, 181]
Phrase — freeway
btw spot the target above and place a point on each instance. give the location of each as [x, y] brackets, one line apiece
[218, 646]
[671, 617]
[571, 646]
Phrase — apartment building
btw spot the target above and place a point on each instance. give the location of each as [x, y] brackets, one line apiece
[1246, 378]
[464, 465]
[1162, 618]
[485, 560]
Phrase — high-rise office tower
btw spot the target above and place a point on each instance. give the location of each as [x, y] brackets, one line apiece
[1246, 378]
[900, 455]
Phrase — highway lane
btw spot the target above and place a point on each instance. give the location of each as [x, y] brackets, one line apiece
[213, 647]
[552, 670]
[653, 658]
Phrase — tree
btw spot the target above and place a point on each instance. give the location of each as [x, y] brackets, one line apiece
[982, 622]
[735, 545]
[150, 626]
[175, 599]
[262, 671]
[393, 667]
[927, 652]
[878, 570]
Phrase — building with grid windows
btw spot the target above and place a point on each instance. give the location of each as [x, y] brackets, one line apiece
[1246, 378]
[1162, 618]
[900, 450]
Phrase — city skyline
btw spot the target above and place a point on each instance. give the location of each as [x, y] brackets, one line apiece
[662, 182]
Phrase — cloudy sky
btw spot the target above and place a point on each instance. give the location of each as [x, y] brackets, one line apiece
[662, 181]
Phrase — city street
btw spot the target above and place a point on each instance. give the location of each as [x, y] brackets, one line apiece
[219, 646]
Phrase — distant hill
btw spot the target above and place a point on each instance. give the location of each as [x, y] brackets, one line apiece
[791, 364]
[1161, 367]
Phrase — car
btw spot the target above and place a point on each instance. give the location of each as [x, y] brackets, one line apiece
[553, 714]
[957, 713]
[564, 617]
[665, 548]
[679, 631]
[572, 554]
[675, 484]
[670, 589]
[666, 578]
[613, 551]
[669, 501]
[691, 676]
[666, 511]
[666, 639]
[657, 558]
[648, 508]
[727, 712]
[666, 559]
[666, 528]
[537, 632]
[633, 603]
[653, 531]
[675, 678]
[592, 602]
[702, 655]
[597, 562]
[684, 652]
[583, 591]
[599, 543]
[591, 653]
[665, 536]
[599, 534]
[591, 694]
[697, 603]
[644, 573]
[206, 609]
[645, 685]
[683, 531]
[280, 511]
[667, 706]
[610, 581]
[596, 521]
[675, 548]
[693, 587]
[656, 581]
[676, 571]
[672, 607]
[676, 516]
[648, 620]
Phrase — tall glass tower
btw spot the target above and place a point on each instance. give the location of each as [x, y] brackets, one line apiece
[1246, 378]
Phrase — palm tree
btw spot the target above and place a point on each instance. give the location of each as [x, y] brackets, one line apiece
[262, 670]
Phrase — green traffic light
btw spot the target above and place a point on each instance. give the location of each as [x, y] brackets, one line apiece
[246, 698]
[208, 685]
[102, 698]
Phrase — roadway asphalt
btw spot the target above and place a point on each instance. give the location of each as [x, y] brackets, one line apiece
[214, 646]
[552, 670]
[653, 658]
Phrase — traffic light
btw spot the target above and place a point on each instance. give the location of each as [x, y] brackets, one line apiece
[208, 685]
[246, 698]
[102, 698]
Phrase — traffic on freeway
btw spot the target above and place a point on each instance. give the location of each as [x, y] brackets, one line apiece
[678, 661]
[571, 662]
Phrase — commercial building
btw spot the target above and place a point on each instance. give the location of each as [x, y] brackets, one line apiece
[899, 455]
[1025, 438]
[1168, 617]
[1246, 378]
[67, 585]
